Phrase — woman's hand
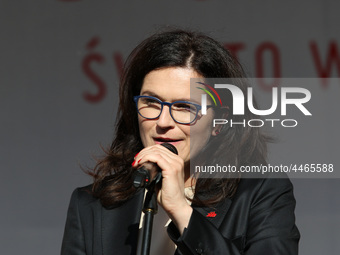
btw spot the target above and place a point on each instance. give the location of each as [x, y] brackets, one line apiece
[171, 195]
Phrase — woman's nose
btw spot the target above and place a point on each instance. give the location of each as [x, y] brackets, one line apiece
[165, 120]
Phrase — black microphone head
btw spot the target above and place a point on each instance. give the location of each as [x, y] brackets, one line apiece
[170, 147]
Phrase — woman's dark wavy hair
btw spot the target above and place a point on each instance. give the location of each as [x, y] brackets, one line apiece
[113, 183]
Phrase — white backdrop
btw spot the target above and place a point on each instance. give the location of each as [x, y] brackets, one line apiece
[53, 53]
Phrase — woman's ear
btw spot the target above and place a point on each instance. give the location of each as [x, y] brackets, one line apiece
[222, 113]
[215, 131]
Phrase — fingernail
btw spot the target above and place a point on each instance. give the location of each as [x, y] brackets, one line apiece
[139, 160]
[133, 162]
[136, 155]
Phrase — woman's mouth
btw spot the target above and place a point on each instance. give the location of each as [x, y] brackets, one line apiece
[160, 140]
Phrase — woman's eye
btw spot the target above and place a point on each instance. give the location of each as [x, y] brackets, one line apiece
[183, 106]
[151, 102]
[147, 100]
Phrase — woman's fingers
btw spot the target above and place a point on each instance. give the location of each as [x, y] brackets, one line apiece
[171, 194]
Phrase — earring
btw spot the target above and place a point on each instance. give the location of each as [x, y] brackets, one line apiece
[217, 132]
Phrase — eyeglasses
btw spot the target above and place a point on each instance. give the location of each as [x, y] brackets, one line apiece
[182, 112]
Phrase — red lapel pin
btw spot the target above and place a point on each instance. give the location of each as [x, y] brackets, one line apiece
[211, 214]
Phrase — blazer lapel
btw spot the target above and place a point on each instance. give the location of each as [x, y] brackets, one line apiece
[120, 227]
[217, 213]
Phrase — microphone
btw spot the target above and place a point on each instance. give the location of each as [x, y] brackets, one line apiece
[141, 177]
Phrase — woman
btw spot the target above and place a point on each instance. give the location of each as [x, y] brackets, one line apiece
[208, 216]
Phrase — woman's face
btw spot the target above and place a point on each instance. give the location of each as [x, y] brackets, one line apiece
[169, 85]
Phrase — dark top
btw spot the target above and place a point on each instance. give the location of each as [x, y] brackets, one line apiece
[258, 220]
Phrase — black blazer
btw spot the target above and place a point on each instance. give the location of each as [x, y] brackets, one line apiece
[258, 220]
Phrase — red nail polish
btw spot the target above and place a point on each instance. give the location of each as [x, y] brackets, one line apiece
[133, 162]
[136, 155]
[139, 160]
